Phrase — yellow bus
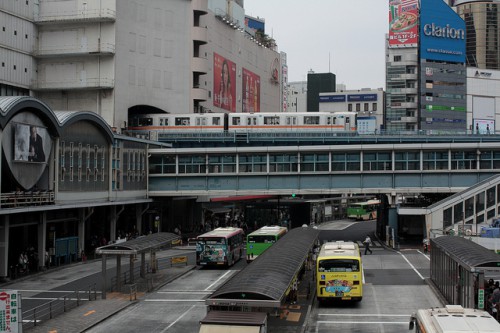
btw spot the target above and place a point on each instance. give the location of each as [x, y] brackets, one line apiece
[339, 272]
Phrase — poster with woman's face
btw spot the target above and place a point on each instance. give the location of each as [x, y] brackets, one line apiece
[29, 143]
[224, 83]
[251, 91]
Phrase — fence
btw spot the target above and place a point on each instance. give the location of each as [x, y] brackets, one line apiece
[34, 316]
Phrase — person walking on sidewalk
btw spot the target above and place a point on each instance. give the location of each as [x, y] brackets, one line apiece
[367, 242]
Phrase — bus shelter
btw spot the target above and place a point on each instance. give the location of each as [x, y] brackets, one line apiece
[459, 268]
[263, 285]
[140, 245]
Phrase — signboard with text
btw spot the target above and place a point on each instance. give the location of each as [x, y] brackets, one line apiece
[10, 311]
[403, 23]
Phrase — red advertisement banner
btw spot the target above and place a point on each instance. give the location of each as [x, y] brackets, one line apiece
[224, 83]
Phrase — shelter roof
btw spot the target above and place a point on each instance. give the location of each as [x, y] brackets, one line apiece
[141, 244]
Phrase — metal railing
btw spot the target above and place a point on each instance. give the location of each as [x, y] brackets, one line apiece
[35, 316]
[26, 198]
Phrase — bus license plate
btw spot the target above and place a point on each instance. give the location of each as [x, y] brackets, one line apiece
[346, 298]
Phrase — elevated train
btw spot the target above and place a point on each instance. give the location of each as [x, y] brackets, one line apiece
[245, 122]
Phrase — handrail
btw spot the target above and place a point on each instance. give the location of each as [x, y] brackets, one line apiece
[34, 316]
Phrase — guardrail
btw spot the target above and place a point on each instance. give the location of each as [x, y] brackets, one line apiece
[57, 306]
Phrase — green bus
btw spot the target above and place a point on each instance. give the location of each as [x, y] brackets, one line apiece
[260, 240]
[365, 211]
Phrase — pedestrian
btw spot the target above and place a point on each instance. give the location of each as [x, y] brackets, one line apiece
[367, 242]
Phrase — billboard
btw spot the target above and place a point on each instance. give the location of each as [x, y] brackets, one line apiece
[10, 311]
[251, 91]
[29, 141]
[442, 33]
[403, 23]
[224, 83]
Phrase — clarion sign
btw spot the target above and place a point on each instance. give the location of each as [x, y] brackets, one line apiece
[443, 32]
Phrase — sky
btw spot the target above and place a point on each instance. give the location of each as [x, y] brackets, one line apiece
[346, 38]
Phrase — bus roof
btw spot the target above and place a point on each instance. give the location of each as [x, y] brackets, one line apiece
[455, 318]
[339, 248]
[222, 232]
[269, 230]
[369, 202]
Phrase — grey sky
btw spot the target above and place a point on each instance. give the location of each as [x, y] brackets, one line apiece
[346, 38]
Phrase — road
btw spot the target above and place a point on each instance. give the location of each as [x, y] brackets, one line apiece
[394, 288]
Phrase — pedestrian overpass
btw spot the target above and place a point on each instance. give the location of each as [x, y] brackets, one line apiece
[393, 165]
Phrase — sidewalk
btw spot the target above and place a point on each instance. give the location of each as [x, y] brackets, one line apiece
[90, 313]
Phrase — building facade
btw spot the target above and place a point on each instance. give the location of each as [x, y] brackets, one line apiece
[117, 58]
[425, 68]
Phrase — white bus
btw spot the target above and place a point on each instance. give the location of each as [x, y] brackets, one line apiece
[451, 319]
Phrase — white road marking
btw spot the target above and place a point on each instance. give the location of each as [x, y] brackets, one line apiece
[425, 255]
[217, 281]
[182, 315]
[413, 267]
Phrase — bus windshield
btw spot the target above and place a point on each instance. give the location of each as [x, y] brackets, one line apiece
[338, 265]
[261, 239]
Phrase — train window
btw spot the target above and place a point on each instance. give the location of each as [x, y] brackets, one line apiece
[163, 121]
[271, 120]
[236, 120]
[215, 121]
[145, 121]
[311, 120]
[201, 121]
[251, 121]
[328, 120]
[291, 120]
[182, 121]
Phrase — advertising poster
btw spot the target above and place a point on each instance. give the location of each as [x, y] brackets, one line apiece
[484, 126]
[10, 311]
[224, 83]
[251, 91]
[29, 143]
[442, 33]
[403, 23]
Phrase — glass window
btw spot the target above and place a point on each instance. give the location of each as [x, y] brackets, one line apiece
[437, 160]
[469, 207]
[407, 160]
[182, 121]
[338, 265]
[373, 161]
[489, 159]
[479, 202]
[463, 160]
[346, 161]
[192, 164]
[252, 163]
[283, 163]
[447, 218]
[490, 197]
[458, 212]
[313, 162]
[221, 163]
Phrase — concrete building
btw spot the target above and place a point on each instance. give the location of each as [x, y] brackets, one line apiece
[425, 71]
[117, 58]
[368, 103]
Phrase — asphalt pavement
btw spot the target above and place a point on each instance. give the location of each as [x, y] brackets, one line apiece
[89, 312]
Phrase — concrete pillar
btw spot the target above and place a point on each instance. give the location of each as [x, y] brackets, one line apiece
[143, 265]
[104, 277]
[138, 219]
[131, 270]
[4, 246]
[119, 273]
[112, 223]
[42, 239]
[81, 230]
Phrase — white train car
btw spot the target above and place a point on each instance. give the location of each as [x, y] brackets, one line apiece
[245, 122]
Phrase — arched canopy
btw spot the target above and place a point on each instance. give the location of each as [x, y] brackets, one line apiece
[67, 118]
[466, 253]
[11, 105]
[266, 280]
[141, 244]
